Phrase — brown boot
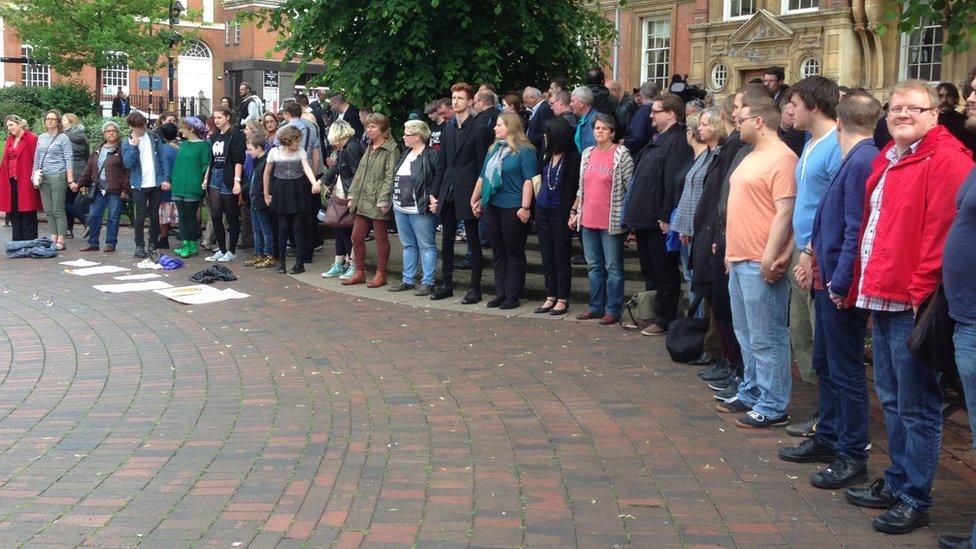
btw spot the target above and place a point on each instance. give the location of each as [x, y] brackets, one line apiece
[378, 280]
[358, 277]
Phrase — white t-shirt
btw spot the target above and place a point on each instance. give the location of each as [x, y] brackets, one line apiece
[146, 162]
[403, 187]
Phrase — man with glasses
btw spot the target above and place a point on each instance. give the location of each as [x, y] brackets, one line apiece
[910, 197]
[773, 80]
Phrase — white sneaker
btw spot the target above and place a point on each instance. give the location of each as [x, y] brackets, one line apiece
[229, 256]
[215, 257]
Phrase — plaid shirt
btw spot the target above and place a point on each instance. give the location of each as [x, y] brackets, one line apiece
[872, 303]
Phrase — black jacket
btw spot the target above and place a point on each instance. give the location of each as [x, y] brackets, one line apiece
[351, 116]
[624, 113]
[656, 190]
[955, 122]
[603, 101]
[459, 163]
[537, 124]
[346, 165]
[423, 172]
[795, 139]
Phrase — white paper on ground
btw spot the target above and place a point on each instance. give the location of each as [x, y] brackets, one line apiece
[200, 294]
[144, 276]
[101, 269]
[80, 263]
[132, 287]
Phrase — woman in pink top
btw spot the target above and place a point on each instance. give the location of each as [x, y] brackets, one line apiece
[605, 174]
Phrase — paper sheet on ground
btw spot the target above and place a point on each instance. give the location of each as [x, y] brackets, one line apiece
[144, 276]
[101, 269]
[132, 287]
[200, 294]
[80, 263]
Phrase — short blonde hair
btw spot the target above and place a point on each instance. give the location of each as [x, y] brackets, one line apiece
[71, 118]
[715, 122]
[257, 127]
[340, 131]
[914, 84]
[418, 128]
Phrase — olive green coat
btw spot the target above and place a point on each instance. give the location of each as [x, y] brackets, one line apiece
[372, 185]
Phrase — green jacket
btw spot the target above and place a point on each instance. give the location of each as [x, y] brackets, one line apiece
[372, 185]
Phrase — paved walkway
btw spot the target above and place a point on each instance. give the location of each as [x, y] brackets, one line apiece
[306, 417]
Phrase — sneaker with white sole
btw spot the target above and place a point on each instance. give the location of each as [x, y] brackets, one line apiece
[229, 256]
[351, 270]
[337, 269]
[215, 257]
[755, 420]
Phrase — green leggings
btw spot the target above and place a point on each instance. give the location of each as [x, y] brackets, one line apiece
[53, 188]
[189, 226]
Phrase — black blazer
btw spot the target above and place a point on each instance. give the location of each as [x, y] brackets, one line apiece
[459, 163]
[537, 125]
[346, 165]
[423, 171]
[655, 192]
[351, 116]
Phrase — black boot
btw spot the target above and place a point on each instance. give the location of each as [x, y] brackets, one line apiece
[809, 451]
[902, 518]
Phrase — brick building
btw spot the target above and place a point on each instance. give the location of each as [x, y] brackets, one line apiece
[212, 63]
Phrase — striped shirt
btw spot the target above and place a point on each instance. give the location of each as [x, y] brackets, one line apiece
[53, 154]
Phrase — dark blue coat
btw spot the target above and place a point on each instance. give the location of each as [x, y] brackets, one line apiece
[837, 225]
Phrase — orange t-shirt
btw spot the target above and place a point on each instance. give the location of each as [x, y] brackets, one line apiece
[762, 178]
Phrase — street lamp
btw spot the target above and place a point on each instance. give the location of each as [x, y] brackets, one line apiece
[176, 8]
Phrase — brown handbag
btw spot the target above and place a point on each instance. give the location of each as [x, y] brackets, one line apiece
[337, 215]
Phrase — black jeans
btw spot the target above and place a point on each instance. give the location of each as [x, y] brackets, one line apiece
[147, 203]
[663, 269]
[507, 234]
[294, 225]
[555, 244]
[23, 225]
[343, 241]
[721, 305]
[449, 222]
[221, 205]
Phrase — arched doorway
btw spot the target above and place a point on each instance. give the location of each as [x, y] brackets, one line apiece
[195, 76]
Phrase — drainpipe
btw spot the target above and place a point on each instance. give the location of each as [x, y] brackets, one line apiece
[616, 41]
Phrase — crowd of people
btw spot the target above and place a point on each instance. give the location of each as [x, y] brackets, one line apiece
[794, 213]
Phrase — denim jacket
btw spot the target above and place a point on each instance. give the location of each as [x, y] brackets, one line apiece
[132, 161]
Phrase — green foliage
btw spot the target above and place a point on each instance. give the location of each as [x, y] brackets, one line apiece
[30, 103]
[395, 56]
[957, 18]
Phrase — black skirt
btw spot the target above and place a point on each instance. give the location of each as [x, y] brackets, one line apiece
[290, 196]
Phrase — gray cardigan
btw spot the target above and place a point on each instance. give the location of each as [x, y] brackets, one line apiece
[623, 173]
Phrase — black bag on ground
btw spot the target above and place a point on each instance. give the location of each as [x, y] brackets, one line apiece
[931, 341]
[686, 336]
[217, 273]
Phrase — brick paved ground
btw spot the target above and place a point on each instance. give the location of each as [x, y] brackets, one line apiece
[305, 417]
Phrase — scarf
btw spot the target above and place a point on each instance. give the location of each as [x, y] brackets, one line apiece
[493, 170]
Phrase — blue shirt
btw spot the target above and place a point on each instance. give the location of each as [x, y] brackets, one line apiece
[584, 131]
[552, 181]
[815, 170]
[959, 255]
[516, 169]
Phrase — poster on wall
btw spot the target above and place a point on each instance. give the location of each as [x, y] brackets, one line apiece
[271, 86]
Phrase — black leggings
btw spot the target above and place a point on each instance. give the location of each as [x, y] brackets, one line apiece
[294, 225]
[221, 205]
[189, 225]
[343, 242]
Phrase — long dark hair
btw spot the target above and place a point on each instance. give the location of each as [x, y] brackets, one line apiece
[558, 139]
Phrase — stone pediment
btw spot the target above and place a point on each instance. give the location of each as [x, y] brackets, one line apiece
[762, 27]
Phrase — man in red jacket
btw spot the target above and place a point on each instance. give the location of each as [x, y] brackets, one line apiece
[910, 203]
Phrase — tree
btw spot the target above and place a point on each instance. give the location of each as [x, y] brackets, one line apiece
[71, 34]
[397, 55]
[956, 17]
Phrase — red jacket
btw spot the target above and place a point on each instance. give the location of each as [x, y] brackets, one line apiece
[917, 208]
[28, 199]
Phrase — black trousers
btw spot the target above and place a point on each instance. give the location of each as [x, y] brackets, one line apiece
[313, 237]
[555, 245]
[294, 225]
[449, 222]
[343, 241]
[662, 269]
[221, 205]
[189, 226]
[721, 305]
[23, 225]
[147, 203]
[507, 235]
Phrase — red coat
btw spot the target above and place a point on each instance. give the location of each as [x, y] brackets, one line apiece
[917, 208]
[29, 200]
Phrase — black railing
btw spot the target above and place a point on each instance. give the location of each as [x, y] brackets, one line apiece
[194, 106]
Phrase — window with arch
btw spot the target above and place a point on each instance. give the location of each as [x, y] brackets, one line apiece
[719, 76]
[923, 53]
[33, 74]
[195, 48]
[809, 67]
[116, 76]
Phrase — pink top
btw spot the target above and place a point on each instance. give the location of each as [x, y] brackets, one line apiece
[597, 185]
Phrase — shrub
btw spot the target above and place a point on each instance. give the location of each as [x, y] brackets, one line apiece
[31, 102]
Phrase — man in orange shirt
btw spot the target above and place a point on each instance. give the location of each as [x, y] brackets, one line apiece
[758, 251]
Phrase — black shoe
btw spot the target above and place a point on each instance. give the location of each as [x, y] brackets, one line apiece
[704, 360]
[806, 429]
[875, 496]
[723, 384]
[281, 269]
[843, 472]
[140, 253]
[808, 451]
[902, 518]
[298, 268]
[955, 542]
[497, 301]
[463, 265]
[578, 260]
[442, 293]
[730, 391]
[509, 305]
[472, 297]
[163, 244]
[719, 371]
[755, 420]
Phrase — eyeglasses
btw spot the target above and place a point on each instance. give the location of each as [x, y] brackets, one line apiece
[658, 111]
[740, 120]
[51, 119]
[913, 111]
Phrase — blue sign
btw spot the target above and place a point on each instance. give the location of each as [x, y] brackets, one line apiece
[157, 82]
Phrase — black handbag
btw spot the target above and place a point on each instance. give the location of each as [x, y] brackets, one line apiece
[931, 340]
[686, 336]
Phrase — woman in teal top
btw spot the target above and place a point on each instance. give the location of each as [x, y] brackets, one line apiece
[192, 161]
[504, 194]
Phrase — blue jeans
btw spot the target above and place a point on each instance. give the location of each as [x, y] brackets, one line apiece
[417, 235]
[911, 398]
[838, 360]
[605, 263]
[263, 235]
[964, 339]
[112, 201]
[760, 317]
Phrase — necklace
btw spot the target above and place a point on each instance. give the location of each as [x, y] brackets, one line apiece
[558, 176]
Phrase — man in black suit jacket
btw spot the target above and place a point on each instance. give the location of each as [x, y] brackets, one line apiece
[347, 112]
[541, 113]
[464, 144]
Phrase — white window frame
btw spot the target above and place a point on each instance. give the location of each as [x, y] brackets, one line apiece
[665, 23]
[803, 64]
[116, 77]
[34, 75]
[727, 10]
[785, 8]
[712, 84]
[906, 47]
[237, 33]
